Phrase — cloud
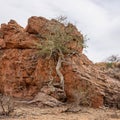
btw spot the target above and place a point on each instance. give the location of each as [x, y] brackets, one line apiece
[98, 19]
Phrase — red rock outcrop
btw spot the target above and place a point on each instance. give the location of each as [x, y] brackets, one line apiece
[24, 72]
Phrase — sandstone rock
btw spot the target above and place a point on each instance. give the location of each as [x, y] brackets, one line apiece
[10, 29]
[45, 99]
[24, 72]
[17, 73]
[43, 28]
[16, 37]
[2, 44]
[55, 92]
[112, 87]
[36, 25]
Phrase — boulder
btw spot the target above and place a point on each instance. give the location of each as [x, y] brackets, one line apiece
[24, 72]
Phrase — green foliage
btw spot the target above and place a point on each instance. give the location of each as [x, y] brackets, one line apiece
[59, 40]
[109, 64]
[62, 19]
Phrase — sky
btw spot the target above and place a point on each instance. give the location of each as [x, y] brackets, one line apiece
[98, 19]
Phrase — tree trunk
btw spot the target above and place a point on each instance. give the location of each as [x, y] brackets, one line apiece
[58, 66]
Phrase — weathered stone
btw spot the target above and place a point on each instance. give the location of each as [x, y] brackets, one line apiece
[24, 72]
[44, 99]
[36, 25]
[2, 43]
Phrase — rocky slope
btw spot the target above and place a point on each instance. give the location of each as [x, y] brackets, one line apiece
[24, 72]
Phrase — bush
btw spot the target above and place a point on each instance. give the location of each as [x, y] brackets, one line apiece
[113, 58]
[109, 65]
[61, 39]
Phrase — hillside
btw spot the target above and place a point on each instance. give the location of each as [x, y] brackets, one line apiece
[44, 62]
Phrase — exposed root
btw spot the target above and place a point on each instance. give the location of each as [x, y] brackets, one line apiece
[58, 66]
[51, 78]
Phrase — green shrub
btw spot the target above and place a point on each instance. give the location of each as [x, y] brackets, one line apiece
[59, 40]
[109, 64]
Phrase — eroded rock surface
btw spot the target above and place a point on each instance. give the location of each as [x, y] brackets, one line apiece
[24, 73]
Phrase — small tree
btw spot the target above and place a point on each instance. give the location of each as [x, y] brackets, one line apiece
[59, 42]
[113, 58]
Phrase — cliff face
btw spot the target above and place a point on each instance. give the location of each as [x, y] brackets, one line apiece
[24, 73]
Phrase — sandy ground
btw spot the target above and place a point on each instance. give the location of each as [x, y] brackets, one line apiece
[23, 112]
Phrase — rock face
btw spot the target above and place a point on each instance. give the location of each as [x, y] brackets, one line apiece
[24, 72]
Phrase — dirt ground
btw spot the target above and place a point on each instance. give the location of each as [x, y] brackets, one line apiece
[23, 112]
